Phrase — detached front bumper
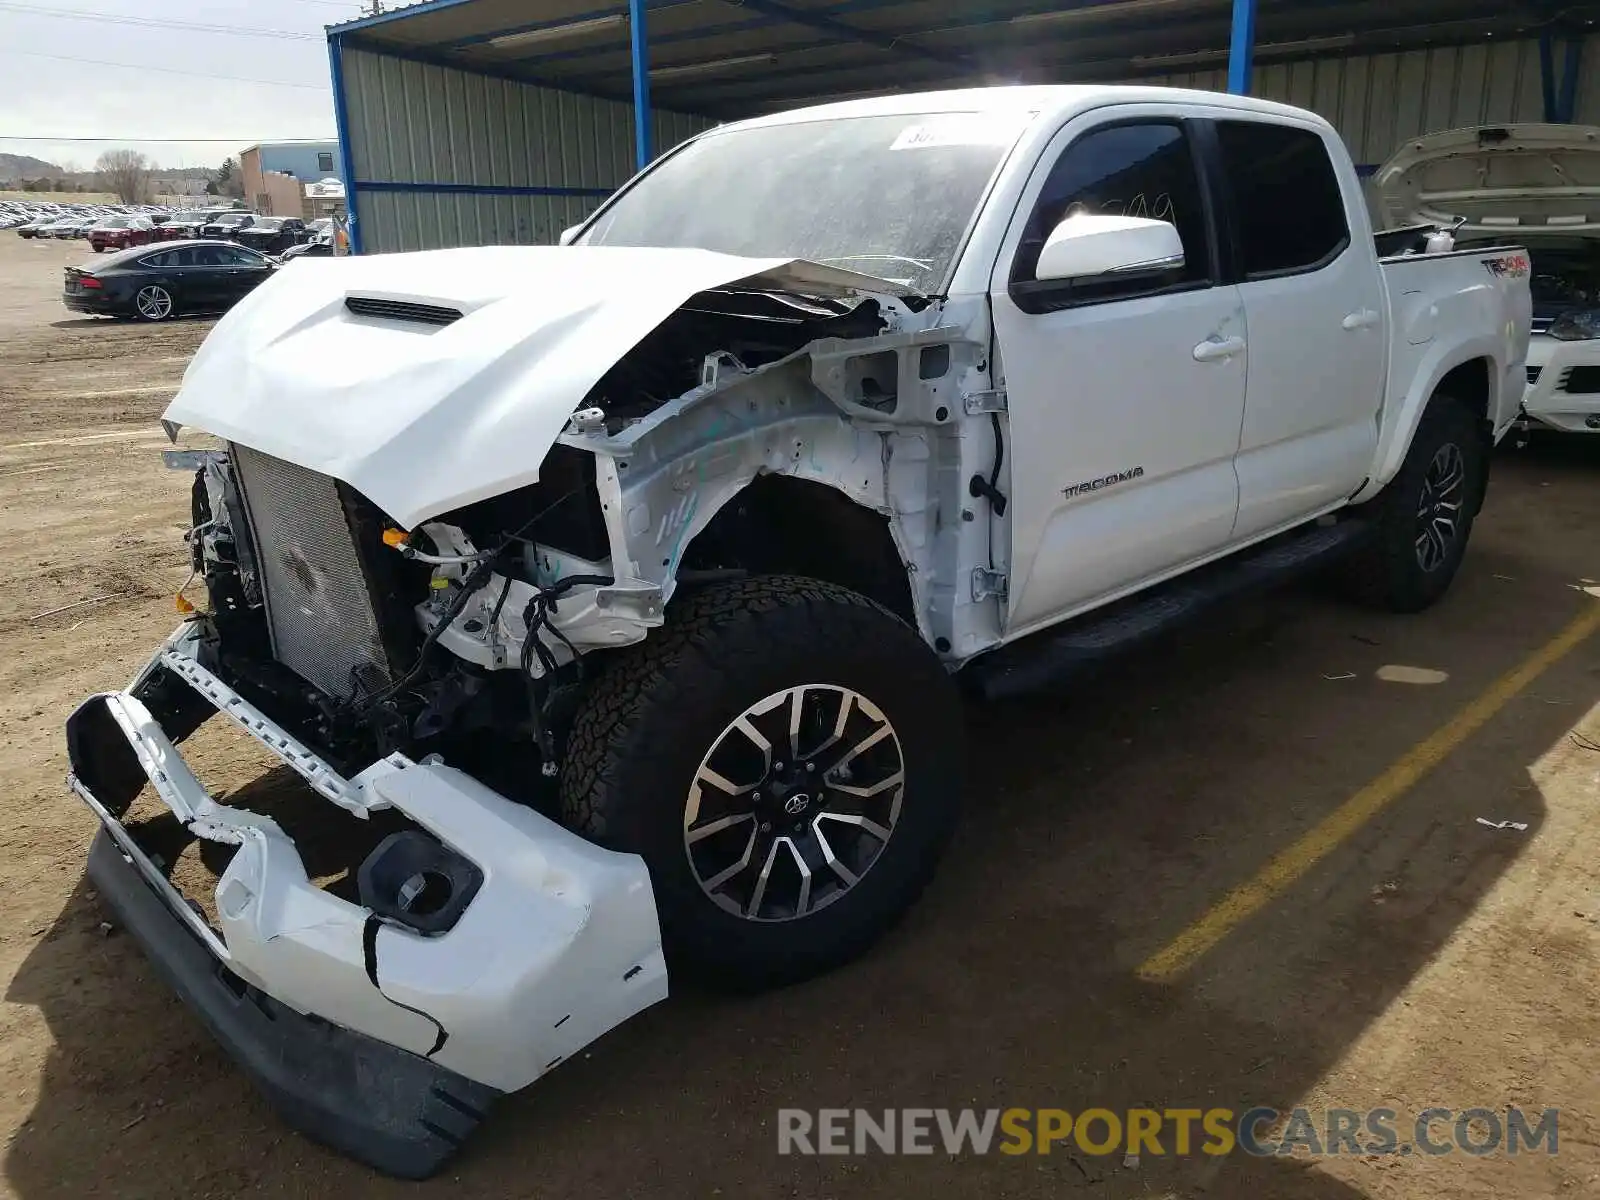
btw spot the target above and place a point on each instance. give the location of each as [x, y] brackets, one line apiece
[382, 1041]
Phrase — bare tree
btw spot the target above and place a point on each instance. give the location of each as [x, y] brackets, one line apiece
[127, 173]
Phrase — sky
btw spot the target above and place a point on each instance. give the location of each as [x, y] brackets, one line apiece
[137, 81]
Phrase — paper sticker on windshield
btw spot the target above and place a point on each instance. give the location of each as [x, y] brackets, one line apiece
[965, 129]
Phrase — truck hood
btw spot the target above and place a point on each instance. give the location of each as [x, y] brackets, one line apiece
[431, 380]
[1504, 181]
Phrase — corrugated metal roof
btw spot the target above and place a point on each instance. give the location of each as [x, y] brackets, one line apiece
[729, 58]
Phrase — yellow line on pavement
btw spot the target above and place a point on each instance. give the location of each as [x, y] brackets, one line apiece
[1290, 864]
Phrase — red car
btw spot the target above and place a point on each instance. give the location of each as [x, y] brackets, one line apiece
[119, 233]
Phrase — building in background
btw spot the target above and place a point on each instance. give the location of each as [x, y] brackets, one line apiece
[275, 174]
[324, 198]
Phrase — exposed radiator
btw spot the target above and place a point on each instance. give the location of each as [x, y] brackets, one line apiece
[323, 622]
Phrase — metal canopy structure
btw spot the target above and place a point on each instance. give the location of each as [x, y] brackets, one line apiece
[712, 60]
[734, 58]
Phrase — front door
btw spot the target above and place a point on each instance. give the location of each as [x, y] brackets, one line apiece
[206, 284]
[246, 270]
[1125, 397]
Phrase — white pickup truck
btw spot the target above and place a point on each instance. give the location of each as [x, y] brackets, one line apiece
[625, 587]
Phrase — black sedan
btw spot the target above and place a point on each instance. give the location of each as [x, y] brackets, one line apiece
[272, 235]
[158, 281]
[227, 225]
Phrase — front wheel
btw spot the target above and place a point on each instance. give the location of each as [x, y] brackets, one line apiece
[1423, 518]
[785, 755]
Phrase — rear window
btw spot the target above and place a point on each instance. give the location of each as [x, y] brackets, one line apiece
[1289, 209]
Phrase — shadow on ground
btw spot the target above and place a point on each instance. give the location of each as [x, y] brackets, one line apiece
[114, 319]
[1098, 825]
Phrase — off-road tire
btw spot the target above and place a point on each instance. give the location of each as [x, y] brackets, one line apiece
[1386, 572]
[659, 707]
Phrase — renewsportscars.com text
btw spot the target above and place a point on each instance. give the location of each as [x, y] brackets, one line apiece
[1260, 1131]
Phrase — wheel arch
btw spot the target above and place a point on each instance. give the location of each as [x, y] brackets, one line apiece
[1464, 373]
[763, 474]
[783, 524]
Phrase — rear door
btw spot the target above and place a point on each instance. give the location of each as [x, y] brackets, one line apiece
[1125, 394]
[1314, 307]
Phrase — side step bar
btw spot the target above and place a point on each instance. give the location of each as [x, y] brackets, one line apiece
[1056, 655]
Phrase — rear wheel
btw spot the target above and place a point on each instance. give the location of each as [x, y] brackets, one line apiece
[1424, 517]
[786, 757]
[153, 303]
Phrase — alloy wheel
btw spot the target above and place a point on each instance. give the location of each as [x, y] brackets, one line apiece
[154, 303]
[794, 802]
[1439, 506]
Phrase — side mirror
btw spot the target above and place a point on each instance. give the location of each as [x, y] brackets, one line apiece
[1091, 245]
[567, 234]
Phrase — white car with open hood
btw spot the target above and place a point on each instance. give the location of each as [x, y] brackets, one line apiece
[1538, 185]
[622, 590]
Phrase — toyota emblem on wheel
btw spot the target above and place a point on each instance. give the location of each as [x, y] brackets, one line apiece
[796, 804]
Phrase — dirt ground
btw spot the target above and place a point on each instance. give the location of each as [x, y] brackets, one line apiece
[1422, 959]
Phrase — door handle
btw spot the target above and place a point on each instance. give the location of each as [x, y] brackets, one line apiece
[1215, 349]
[1364, 319]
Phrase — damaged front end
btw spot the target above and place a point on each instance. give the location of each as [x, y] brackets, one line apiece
[432, 580]
[487, 946]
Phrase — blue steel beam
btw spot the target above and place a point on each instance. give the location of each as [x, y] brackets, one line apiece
[639, 38]
[1242, 47]
[476, 189]
[1547, 74]
[1566, 108]
[341, 130]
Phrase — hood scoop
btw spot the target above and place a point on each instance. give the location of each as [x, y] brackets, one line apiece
[402, 310]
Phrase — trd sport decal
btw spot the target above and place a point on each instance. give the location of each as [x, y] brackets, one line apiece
[1513, 265]
[1105, 481]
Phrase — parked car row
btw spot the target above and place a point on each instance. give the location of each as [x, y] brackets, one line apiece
[38, 218]
[118, 230]
[108, 227]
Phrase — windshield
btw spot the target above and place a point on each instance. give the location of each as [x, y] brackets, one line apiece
[268, 224]
[884, 195]
[114, 223]
[230, 219]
